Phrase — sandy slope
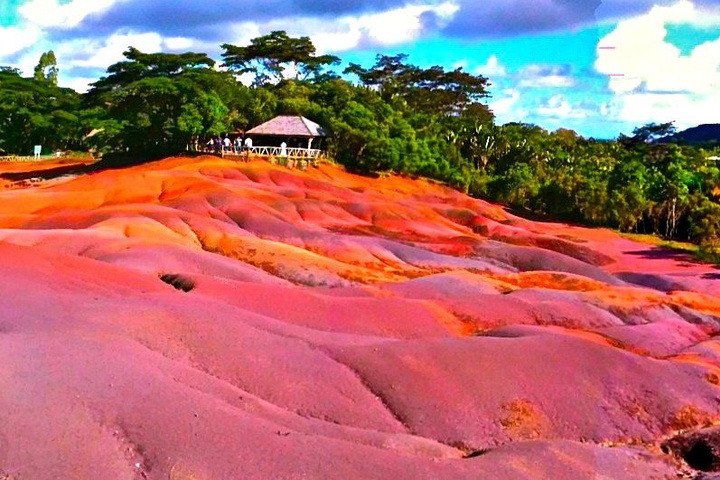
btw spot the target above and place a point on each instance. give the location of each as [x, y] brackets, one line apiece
[336, 327]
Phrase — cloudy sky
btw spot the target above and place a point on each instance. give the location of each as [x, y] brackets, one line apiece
[600, 67]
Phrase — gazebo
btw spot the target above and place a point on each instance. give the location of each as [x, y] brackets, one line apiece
[287, 136]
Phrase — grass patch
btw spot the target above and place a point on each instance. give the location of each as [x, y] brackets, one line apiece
[658, 241]
[699, 254]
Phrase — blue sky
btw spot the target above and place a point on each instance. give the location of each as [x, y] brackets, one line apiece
[541, 56]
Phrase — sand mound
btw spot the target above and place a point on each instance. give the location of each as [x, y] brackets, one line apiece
[200, 318]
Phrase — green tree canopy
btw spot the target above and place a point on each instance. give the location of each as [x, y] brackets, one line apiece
[141, 65]
[653, 131]
[430, 90]
[37, 112]
[276, 56]
[162, 102]
[398, 117]
[46, 70]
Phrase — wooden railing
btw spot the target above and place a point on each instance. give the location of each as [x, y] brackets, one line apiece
[25, 158]
[301, 153]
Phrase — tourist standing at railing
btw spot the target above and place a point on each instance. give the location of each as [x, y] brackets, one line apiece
[248, 143]
[283, 149]
[238, 144]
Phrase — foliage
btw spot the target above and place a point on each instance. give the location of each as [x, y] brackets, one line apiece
[270, 57]
[38, 113]
[161, 102]
[429, 91]
[141, 65]
[398, 117]
[46, 69]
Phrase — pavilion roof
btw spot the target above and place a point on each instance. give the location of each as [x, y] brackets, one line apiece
[289, 126]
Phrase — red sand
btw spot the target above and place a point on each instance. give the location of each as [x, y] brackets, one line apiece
[336, 327]
[15, 175]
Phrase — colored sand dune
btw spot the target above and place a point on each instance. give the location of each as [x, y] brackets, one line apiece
[206, 319]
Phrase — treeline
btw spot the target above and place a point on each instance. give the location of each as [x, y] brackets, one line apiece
[390, 117]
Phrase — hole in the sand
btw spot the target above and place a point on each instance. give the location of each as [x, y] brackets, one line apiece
[701, 456]
[468, 451]
[178, 281]
[476, 453]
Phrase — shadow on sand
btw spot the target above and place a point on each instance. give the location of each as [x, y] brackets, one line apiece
[685, 259]
[47, 174]
[662, 253]
[109, 162]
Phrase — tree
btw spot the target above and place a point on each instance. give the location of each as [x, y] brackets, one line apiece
[7, 69]
[141, 65]
[46, 70]
[518, 186]
[705, 227]
[628, 183]
[276, 56]
[430, 91]
[38, 113]
[163, 102]
[653, 131]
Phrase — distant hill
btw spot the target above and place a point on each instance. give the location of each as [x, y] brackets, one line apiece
[702, 134]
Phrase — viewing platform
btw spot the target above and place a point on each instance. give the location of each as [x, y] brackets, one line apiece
[26, 158]
[302, 153]
[285, 140]
[290, 157]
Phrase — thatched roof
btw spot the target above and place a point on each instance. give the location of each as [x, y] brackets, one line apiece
[289, 126]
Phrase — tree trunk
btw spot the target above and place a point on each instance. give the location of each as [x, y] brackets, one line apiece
[674, 217]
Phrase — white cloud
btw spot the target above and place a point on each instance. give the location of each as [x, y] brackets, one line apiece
[242, 33]
[103, 53]
[80, 55]
[16, 39]
[100, 54]
[395, 26]
[52, 13]
[643, 57]
[558, 106]
[79, 84]
[548, 81]
[545, 76]
[685, 110]
[492, 68]
[386, 28]
[504, 105]
[392, 27]
[179, 43]
[604, 108]
[653, 79]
